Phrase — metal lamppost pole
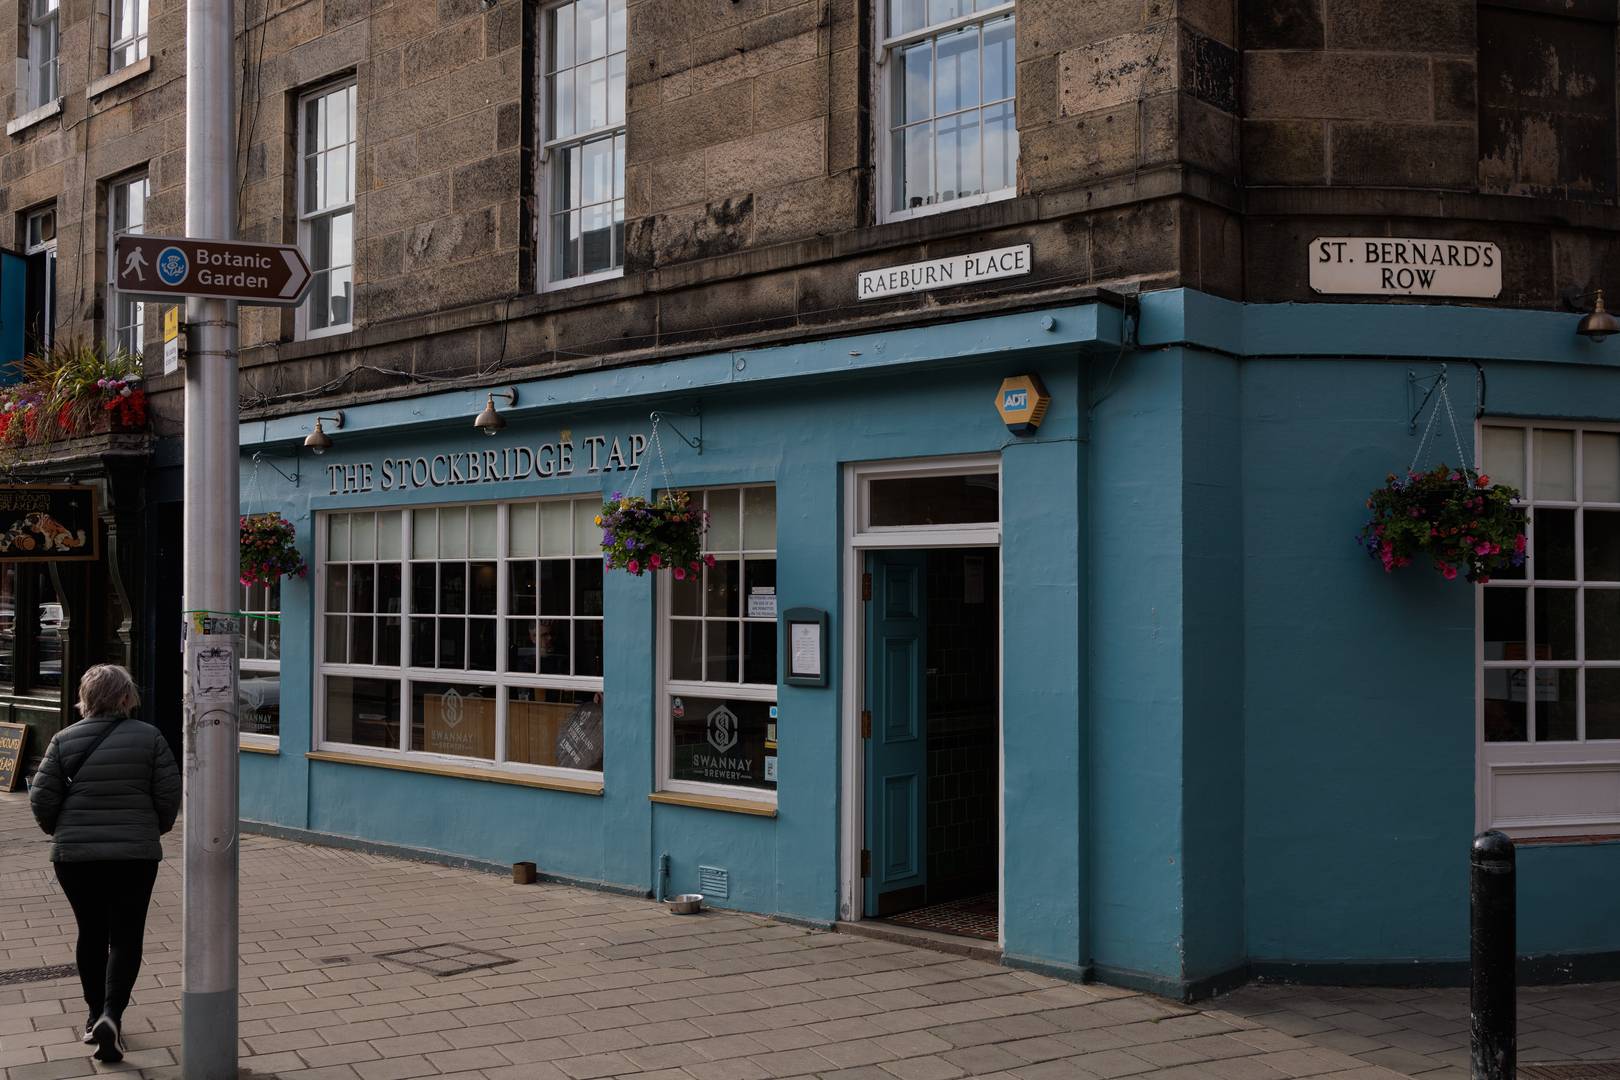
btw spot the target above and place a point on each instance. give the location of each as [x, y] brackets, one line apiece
[208, 998]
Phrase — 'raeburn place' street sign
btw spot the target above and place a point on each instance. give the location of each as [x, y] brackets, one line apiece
[164, 267]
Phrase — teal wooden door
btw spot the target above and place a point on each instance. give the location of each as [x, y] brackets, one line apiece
[896, 752]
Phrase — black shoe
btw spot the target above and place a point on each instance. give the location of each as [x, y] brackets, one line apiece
[109, 1042]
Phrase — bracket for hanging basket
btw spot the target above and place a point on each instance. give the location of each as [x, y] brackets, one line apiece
[695, 443]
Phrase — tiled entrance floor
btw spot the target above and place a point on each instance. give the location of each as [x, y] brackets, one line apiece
[975, 917]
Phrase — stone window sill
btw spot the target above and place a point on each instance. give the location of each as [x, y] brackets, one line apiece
[550, 783]
[34, 116]
[714, 802]
[118, 78]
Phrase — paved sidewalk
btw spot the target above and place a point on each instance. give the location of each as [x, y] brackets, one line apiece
[596, 985]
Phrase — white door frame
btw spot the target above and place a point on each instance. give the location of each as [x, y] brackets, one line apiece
[859, 539]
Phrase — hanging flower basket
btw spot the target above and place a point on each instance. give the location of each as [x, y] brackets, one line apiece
[1457, 518]
[268, 550]
[638, 535]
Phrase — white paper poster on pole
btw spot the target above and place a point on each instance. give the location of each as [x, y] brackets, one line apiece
[211, 659]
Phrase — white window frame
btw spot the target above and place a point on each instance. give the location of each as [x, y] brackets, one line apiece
[41, 78]
[406, 673]
[48, 248]
[122, 38]
[1553, 764]
[307, 216]
[117, 303]
[551, 152]
[261, 665]
[669, 687]
[883, 129]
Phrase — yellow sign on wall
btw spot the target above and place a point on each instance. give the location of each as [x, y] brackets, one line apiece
[1022, 402]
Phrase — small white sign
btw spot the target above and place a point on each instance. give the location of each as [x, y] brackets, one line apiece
[1405, 266]
[806, 651]
[171, 340]
[770, 770]
[762, 603]
[944, 273]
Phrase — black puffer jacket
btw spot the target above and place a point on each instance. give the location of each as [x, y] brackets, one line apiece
[122, 799]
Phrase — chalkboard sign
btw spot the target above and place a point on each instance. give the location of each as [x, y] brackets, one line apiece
[47, 523]
[13, 737]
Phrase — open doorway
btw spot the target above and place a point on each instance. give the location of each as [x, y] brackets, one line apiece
[933, 770]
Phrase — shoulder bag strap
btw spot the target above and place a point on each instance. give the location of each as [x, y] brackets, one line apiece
[84, 759]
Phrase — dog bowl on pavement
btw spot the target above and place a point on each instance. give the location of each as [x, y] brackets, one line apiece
[685, 903]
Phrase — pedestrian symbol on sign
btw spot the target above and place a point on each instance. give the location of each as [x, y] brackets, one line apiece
[135, 265]
[172, 267]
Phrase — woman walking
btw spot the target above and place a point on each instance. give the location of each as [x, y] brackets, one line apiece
[107, 789]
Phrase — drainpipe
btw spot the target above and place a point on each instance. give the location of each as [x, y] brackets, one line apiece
[663, 876]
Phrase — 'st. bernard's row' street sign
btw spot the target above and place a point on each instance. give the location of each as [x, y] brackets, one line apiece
[1405, 266]
[166, 267]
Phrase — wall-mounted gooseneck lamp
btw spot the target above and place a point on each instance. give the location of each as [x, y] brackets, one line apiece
[318, 441]
[489, 421]
[1597, 324]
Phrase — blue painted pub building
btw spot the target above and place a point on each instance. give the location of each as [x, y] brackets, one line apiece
[1127, 683]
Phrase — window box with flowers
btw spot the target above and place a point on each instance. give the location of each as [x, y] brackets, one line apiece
[70, 391]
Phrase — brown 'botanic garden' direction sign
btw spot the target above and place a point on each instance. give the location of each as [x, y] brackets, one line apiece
[166, 267]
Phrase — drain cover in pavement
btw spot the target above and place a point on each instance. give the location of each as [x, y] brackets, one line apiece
[447, 959]
[1573, 1070]
[39, 974]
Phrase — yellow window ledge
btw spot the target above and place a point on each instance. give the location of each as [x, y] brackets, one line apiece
[255, 748]
[550, 783]
[714, 802]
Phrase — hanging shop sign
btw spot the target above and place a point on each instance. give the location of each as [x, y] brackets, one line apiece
[1405, 266]
[547, 461]
[13, 738]
[944, 273]
[48, 523]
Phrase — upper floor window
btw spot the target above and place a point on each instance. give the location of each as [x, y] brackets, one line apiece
[39, 245]
[584, 141]
[128, 41]
[126, 213]
[39, 66]
[950, 81]
[326, 164]
[1549, 636]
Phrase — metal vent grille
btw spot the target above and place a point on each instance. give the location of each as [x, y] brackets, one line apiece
[1572, 1070]
[39, 974]
[714, 883]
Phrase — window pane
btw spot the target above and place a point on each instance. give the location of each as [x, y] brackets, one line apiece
[1602, 703]
[363, 536]
[591, 29]
[521, 652]
[363, 587]
[1602, 543]
[562, 38]
[686, 596]
[552, 646]
[759, 519]
[759, 653]
[936, 500]
[388, 641]
[907, 15]
[1600, 467]
[721, 589]
[587, 534]
[1603, 624]
[337, 588]
[388, 591]
[523, 588]
[388, 535]
[725, 533]
[424, 588]
[484, 588]
[453, 719]
[957, 79]
[615, 90]
[8, 622]
[361, 640]
[1555, 624]
[721, 645]
[588, 647]
[719, 741]
[556, 596]
[1556, 704]
[453, 533]
[47, 665]
[425, 534]
[259, 695]
[452, 643]
[554, 727]
[1555, 465]
[915, 77]
[557, 528]
[562, 104]
[362, 712]
[959, 156]
[1505, 706]
[1000, 148]
[917, 176]
[523, 529]
[481, 644]
[1000, 63]
[1504, 624]
[686, 650]
[453, 588]
[1553, 552]
[587, 587]
[424, 642]
[337, 538]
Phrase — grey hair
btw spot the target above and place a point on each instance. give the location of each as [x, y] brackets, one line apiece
[107, 690]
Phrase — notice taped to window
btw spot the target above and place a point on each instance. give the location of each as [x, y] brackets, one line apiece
[1405, 266]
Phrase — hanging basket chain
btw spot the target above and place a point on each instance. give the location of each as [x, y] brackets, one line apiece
[1463, 464]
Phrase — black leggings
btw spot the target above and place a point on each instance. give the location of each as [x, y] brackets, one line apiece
[109, 901]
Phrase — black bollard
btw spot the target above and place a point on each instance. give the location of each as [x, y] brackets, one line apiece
[1491, 1008]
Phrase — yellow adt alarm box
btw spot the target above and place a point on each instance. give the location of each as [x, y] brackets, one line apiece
[1022, 402]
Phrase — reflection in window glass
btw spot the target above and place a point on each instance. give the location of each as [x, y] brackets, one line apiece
[555, 727]
[48, 649]
[971, 499]
[362, 712]
[585, 92]
[723, 741]
[454, 719]
[259, 678]
[8, 623]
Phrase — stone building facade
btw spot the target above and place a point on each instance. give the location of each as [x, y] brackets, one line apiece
[696, 235]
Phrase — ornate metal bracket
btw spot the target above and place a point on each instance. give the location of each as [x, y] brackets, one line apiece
[259, 458]
[695, 443]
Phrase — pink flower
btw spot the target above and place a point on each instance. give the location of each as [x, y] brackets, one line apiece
[1518, 544]
[1483, 548]
[633, 566]
[655, 560]
[708, 560]
[680, 573]
[1448, 572]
